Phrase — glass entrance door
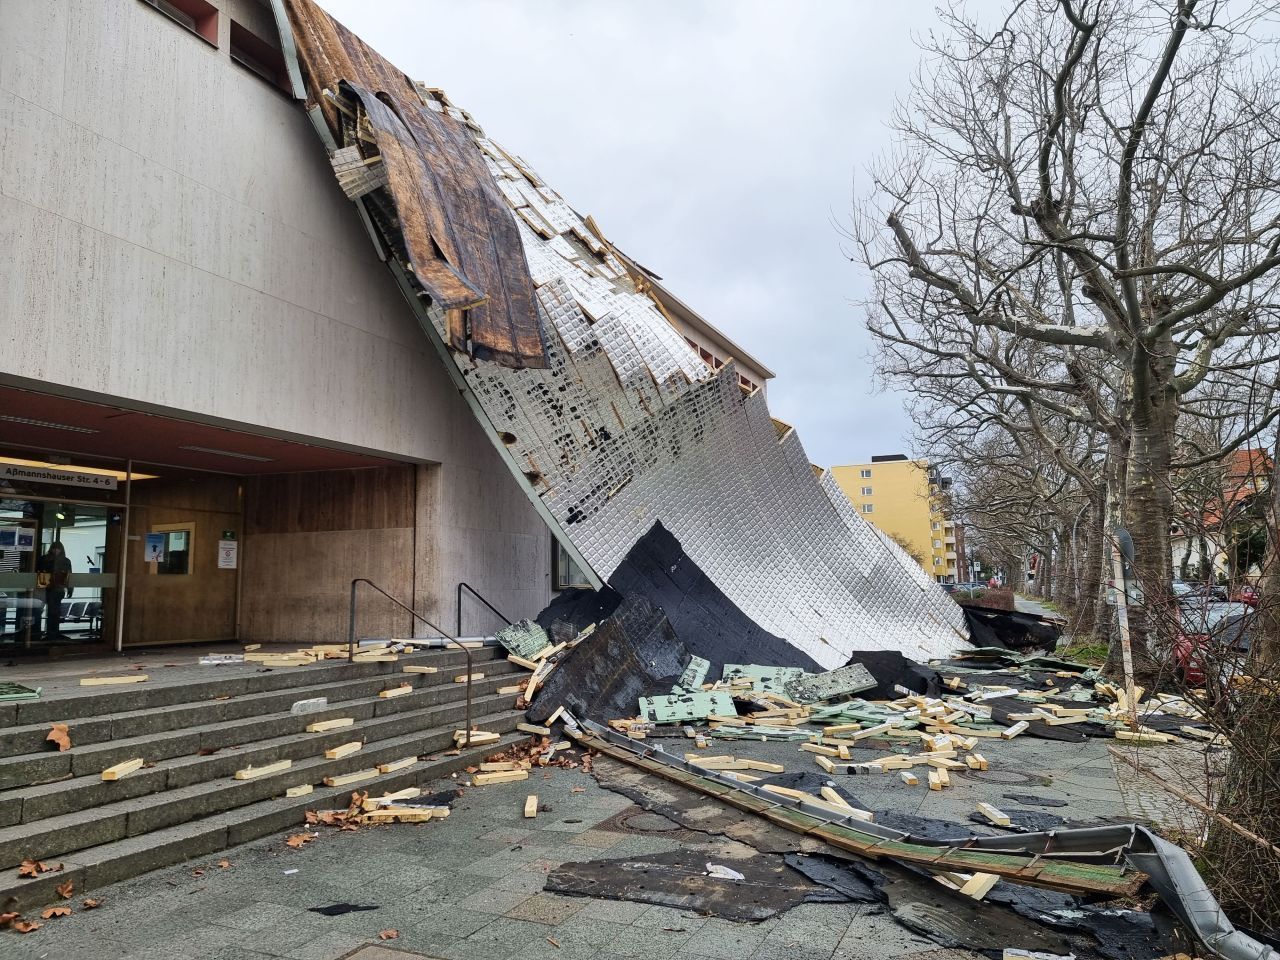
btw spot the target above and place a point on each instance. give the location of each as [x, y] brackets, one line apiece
[57, 574]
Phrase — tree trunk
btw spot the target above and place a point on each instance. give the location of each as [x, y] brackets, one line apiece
[1241, 872]
[1091, 609]
[1148, 504]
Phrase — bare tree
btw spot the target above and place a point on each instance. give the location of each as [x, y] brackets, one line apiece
[1083, 208]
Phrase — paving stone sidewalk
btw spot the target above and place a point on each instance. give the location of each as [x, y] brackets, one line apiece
[470, 887]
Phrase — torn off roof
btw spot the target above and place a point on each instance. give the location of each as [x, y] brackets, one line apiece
[606, 416]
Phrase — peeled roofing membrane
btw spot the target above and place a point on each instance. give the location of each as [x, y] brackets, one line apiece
[626, 426]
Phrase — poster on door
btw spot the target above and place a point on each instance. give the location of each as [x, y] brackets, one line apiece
[227, 554]
[153, 550]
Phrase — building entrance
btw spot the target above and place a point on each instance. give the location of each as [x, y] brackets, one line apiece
[58, 578]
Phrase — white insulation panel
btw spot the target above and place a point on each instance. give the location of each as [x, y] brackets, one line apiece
[628, 426]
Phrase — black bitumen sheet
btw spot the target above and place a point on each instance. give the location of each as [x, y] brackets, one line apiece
[680, 879]
[708, 623]
[632, 654]
[891, 669]
[1010, 629]
[579, 608]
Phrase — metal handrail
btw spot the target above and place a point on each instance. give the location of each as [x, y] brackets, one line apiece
[351, 639]
[476, 593]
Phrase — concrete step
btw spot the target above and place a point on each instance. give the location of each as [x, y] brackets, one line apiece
[169, 731]
[108, 861]
[102, 702]
[117, 820]
[375, 720]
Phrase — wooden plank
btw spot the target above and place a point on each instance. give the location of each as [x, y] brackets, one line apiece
[534, 729]
[389, 799]
[399, 691]
[1014, 730]
[416, 668]
[112, 681]
[375, 658]
[522, 662]
[463, 677]
[344, 750]
[831, 796]
[512, 690]
[825, 763]
[323, 726]
[395, 765]
[998, 817]
[510, 776]
[979, 885]
[299, 791]
[909, 778]
[122, 769]
[252, 773]
[346, 778]
[763, 767]
[499, 766]
[479, 738]
[819, 748]
[531, 806]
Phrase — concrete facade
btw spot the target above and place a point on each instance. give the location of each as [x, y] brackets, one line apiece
[175, 243]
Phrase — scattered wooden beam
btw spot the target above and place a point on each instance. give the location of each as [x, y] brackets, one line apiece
[979, 885]
[399, 691]
[299, 791]
[464, 677]
[344, 750]
[499, 766]
[343, 779]
[909, 778]
[416, 668]
[509, 776]
[998, 817]
[252, 773]
[395, 765]
[534, 729]
[531, 806]
[323, 726]
[122, 769]
[112, 681]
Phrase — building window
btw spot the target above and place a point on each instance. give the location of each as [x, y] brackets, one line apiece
[198, 16]
[258, 56]
[937, 544]
[867, 507]
[170, 547]
[937, 561]
[866, 474]
[934, 525]
[866, 491]
[565, 574]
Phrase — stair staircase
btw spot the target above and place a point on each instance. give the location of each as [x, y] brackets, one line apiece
[195, 735]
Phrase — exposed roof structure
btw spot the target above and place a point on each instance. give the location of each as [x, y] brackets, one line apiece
[606, 416]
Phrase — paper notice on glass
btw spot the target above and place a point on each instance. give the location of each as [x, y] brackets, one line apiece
[227, 554]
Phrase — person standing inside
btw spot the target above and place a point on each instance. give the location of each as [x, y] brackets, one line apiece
[53, 574]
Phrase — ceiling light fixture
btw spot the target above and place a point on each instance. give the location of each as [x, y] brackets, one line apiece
[47, 424]
[228, 453]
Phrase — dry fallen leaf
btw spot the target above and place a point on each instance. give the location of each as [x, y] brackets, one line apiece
[56, 912]
[388, 934]
[58, 734]
[224, 864]
[33, 868]
[25, 926]
[8, 918]
[298, 839]
[92, 904]
[64, 890]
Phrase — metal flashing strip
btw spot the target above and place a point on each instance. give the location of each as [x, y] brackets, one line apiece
[1113, 860]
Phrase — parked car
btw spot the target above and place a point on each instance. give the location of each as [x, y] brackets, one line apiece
[1246, 593]
[1213, 644]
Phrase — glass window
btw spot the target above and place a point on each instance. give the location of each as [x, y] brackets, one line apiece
[937, 544]
[867, 507]
[565, 574]
[866, 491]
[866, 474]
[169, 548]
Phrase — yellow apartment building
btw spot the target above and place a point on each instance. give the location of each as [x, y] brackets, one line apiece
[903, 498]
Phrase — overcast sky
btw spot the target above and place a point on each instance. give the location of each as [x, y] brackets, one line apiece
[715, 141]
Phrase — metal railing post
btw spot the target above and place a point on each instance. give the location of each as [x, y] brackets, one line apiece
[466, 651]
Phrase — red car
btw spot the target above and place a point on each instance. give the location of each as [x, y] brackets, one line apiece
[1246, 593]
[1213, 643]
